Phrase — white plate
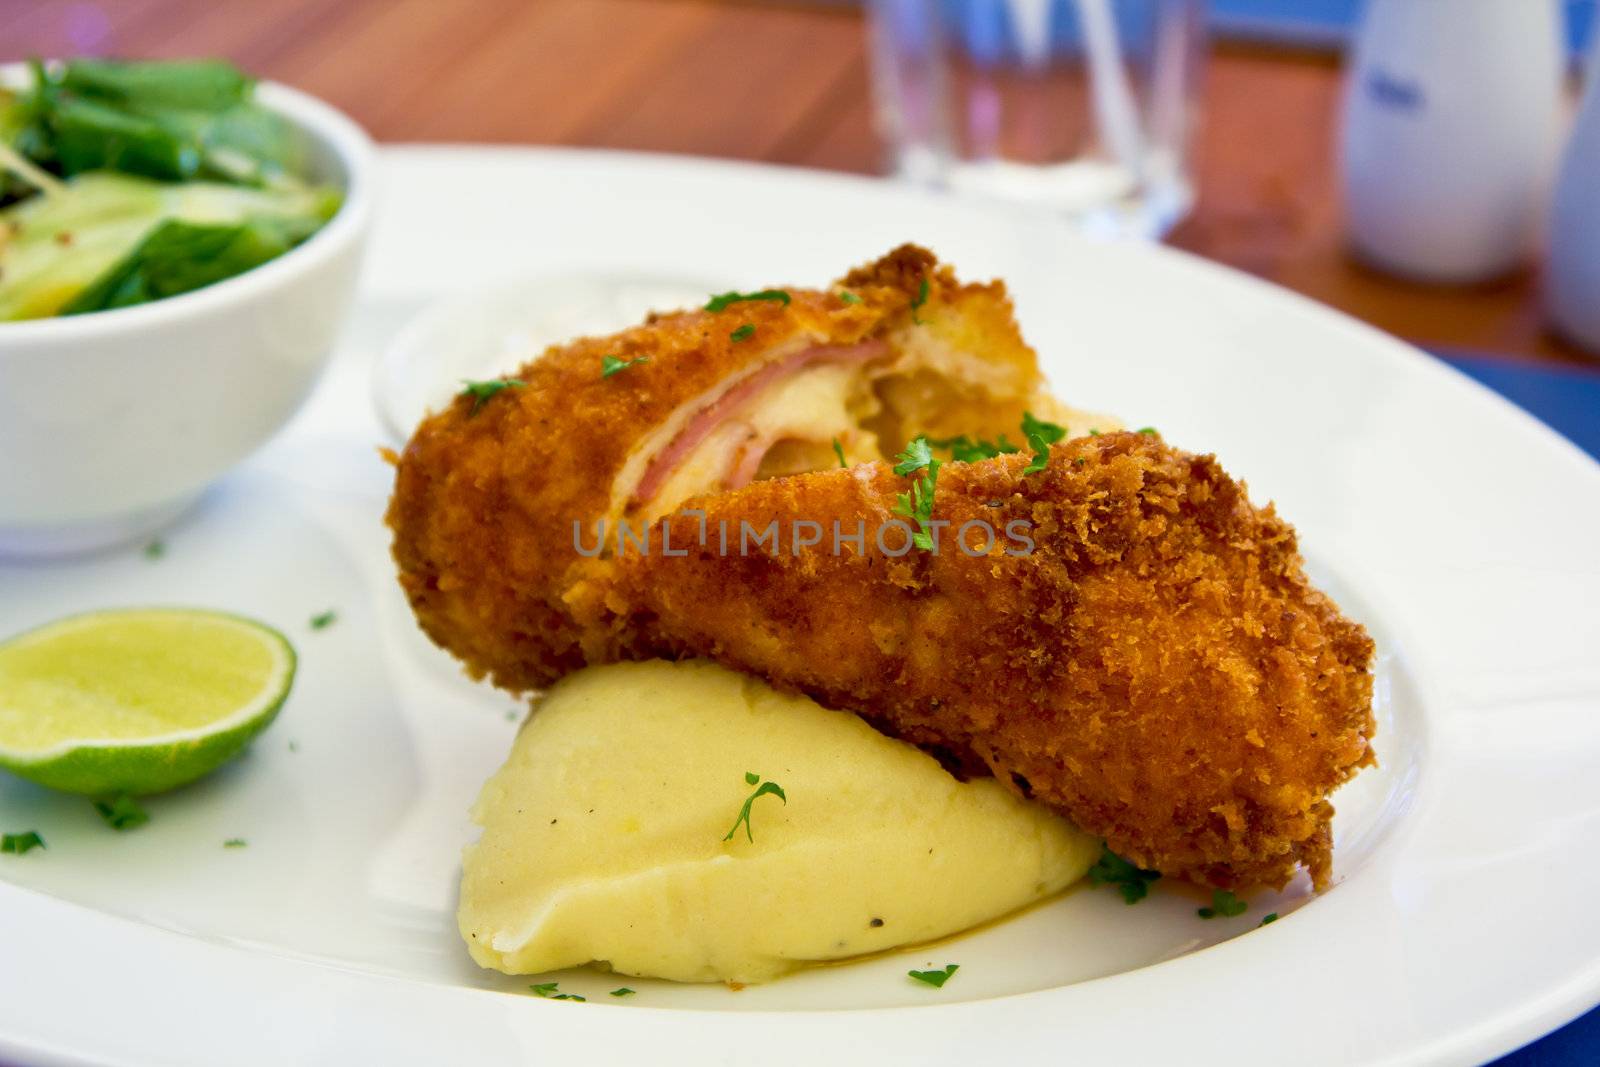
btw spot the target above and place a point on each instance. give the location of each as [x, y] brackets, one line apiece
[1460, 530]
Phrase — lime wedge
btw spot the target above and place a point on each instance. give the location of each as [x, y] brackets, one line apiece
[137, 701]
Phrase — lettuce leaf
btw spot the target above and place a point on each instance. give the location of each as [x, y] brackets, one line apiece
[173, 121]
[114, 240]
[178, 257]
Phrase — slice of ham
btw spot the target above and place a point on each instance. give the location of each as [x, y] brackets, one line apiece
[734, 399]
[743, 471]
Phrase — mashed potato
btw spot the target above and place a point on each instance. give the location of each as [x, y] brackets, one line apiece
[603, 835]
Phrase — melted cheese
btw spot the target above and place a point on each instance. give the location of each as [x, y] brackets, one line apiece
[819, 403]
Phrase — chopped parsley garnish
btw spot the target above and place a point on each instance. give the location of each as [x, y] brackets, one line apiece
[548, 991]
[1270, 917]
[918, 504]
[1094, 433]
[155, 550]
[1151, 430]
[1051, 432]
[1041, 456]
[623, 992]
[234, 842]
[722, 300]
[1040, 436]
[1223, 903]
[966, 449]
[325, 620]
[751, 778]
[610, 365]
[847, 297]
[916, 456]
[122, 812]
[742, 333]
[480, 392]
[918, 300]
[19, 844]
[838, 450]
[938, 978]
[1111, 869]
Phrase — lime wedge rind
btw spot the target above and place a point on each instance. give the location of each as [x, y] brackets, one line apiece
[154, 763]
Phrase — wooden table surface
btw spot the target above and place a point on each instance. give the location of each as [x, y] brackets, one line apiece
[783, 83]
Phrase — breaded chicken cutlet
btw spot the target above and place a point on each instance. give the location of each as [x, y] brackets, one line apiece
[1156, 667]
[756, 385]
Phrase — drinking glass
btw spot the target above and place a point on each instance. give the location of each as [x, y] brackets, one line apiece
[1081, 106]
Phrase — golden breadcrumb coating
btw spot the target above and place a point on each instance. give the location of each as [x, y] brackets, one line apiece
[1158, 668]
[486, 494]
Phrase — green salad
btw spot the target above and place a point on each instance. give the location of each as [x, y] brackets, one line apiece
[126, 182]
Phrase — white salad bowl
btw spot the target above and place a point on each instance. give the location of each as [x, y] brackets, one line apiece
[112, 423]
